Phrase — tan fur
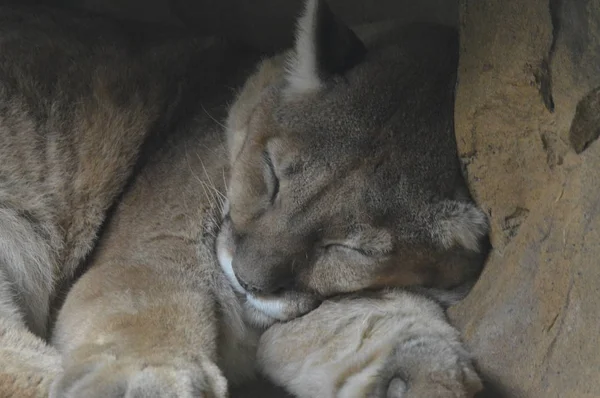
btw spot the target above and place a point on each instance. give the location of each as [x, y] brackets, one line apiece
[28, 365]
[125, 154]
[356, 347]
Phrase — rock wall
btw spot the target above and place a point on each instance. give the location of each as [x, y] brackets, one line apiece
[527, 115]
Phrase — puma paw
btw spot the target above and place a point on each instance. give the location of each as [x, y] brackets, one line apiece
[381, 372]
[393, 345]
[106, 376]
[442, 376]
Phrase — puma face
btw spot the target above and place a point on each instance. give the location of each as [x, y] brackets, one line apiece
[343, 171]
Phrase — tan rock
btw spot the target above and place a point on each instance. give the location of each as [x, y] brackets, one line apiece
[532, 319]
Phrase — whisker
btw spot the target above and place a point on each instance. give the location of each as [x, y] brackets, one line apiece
[212, 117]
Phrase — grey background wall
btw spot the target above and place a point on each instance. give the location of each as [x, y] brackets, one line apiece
[267, 23]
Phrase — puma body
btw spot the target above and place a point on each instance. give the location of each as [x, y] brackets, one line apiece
[195, 207]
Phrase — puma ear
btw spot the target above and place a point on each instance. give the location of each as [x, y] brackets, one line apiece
[324, 47]
[459, 223]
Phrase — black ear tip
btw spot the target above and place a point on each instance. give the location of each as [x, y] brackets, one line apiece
[324, 47]
[338, 48]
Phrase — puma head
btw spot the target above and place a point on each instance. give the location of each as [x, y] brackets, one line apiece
[343, 170]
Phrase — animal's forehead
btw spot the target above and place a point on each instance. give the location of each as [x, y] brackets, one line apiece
[350, 191]
[354, 104]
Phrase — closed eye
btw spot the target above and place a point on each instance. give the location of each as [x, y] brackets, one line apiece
[340, 246]
[271, 177]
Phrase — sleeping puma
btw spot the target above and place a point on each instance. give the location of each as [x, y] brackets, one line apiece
[214, 241]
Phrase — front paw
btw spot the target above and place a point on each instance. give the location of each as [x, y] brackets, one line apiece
[393, 345]
[109, 376]
[428, 369]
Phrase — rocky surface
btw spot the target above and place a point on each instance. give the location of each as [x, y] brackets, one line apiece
[527, 117]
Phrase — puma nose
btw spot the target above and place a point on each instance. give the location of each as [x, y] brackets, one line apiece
[262, 269]
[262, 284]
[247, 287]
[271, 286]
